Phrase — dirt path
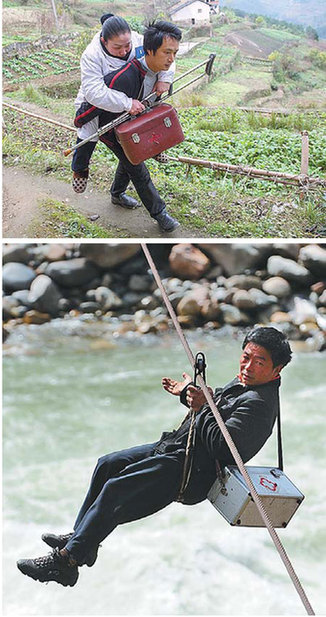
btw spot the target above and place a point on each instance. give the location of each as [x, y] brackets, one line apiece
[23, 192]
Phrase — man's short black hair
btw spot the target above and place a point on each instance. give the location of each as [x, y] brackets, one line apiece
[273, 340]
[156, 32]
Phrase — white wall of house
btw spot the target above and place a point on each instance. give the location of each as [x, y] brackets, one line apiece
[198, 11]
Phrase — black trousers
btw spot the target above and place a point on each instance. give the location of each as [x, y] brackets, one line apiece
[126, 172]
[126, 486]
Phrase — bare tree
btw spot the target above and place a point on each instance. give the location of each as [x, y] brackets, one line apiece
[55, 14]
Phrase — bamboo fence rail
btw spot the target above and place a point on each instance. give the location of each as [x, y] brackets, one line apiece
[302, 180]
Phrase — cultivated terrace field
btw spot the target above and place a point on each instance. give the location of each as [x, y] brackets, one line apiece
[268, 86]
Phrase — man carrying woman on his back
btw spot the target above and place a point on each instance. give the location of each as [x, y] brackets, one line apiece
[126, 60]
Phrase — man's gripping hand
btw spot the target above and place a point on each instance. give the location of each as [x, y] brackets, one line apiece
[161, 87]
[175, 387]
[136, 107]
[196, 398]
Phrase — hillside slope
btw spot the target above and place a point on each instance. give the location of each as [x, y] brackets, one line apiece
[303, 12]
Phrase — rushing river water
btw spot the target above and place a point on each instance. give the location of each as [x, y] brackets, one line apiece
[69, 398]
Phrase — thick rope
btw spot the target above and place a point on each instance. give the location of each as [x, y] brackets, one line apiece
[278, 544]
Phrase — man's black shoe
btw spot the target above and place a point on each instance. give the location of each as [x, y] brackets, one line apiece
[52, 567]
[125, 201]
[166, 222]
[60, 542]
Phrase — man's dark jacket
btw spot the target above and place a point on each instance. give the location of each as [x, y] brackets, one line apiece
[128, 80]
[249, 414]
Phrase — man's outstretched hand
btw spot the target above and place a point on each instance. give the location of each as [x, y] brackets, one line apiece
[175, 387]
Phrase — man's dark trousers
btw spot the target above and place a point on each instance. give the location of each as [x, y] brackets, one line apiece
[126, 172]
[126, 486]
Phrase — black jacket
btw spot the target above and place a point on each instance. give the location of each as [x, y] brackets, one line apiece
[128, 79]
[249, 414]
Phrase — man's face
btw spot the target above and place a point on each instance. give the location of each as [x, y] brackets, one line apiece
[118, 46]
[162, 59]
[256, 366]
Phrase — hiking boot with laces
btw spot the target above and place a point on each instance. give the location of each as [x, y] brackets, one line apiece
[52, 567]
[60, 542]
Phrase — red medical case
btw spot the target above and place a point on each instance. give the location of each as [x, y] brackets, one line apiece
[150, 133]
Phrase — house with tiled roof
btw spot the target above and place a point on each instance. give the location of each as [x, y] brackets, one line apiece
[193, 12]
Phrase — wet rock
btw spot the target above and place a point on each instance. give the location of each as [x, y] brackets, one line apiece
[288, 269]
[149, 303]
[303, 311]
[107, 299]
[280, 317]
[35, 317]
[44, 295]
[107, 279]
[219, 294]
[19, 311]
[22, 297]
[322, 298]
[235, 258]
[138, 282]
[50, 252]
[233, 316]
[17, 276]
[72, 273]
[214, 273]
[243, 300]
[192, 303]
[109, 256]
[89, 307]
[313, 257]
[285, 249]
[318, 287]
[8, 304]
[261, 299]
[277, 286]
[187, 261]
[210, 309]
[16, 252]
[241, 281]
[131, 298]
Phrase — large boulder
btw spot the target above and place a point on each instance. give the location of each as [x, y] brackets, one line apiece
[17, 276]
[16, 252]
[237, 258]
[72, 273]
[287, 250]
[44, 295]
[313, 257]
[288, 269]
[109, 256]
[188, 262]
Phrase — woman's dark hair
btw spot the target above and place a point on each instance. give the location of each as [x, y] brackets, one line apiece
[274, 341]
[156, 32]
[112, 25]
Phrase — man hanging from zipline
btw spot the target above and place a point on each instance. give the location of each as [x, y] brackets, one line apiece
[130, 484]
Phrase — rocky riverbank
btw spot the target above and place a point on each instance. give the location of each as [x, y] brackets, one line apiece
[209, 285]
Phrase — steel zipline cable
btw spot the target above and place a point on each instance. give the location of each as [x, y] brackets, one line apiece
[278, 544]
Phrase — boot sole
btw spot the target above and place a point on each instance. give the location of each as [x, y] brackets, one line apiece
[36, 577]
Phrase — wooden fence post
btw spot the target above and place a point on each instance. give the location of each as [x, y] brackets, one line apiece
[304, 152]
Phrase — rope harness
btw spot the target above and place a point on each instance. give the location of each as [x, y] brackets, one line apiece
[200, 369]
[233, 449]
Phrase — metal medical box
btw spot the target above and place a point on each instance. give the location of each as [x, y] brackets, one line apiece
[230, 495]
[150, 133]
